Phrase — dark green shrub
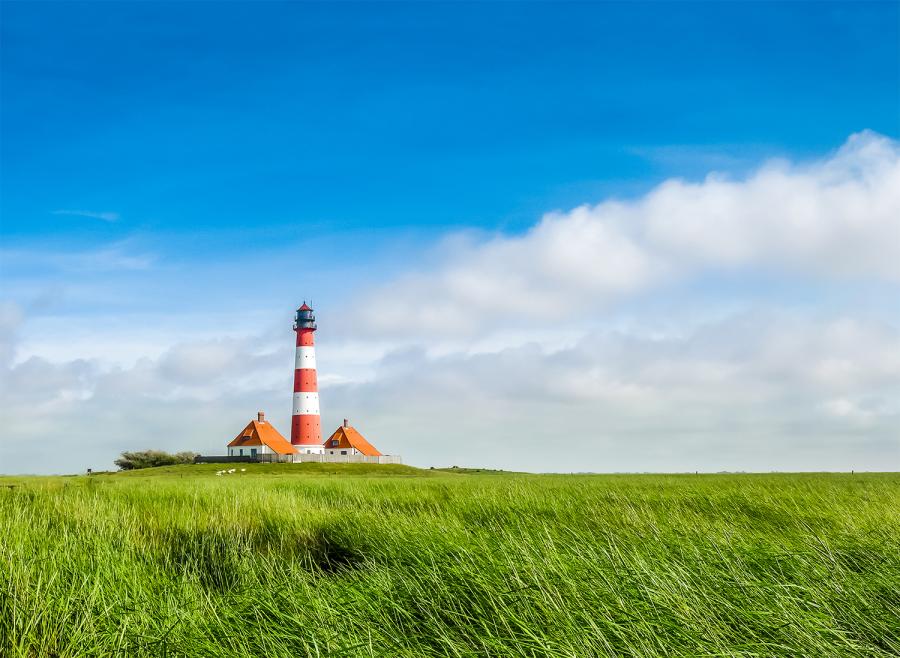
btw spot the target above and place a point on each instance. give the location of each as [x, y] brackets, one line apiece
[130, 461]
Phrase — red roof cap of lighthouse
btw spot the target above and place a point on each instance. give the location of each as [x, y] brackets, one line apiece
[261, 433]
[305, 307]
[347, 437]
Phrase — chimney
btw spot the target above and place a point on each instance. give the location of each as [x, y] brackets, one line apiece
[346, 424]
[261, 416]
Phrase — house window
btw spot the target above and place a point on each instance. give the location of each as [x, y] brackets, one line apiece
[334, 443]
[253, 452]
[242, 452]
[343, 452]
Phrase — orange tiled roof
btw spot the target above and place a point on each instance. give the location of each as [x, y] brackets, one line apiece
[259, 433]
[348, 437]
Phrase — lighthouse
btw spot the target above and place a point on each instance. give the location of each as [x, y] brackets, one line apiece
[306, 432]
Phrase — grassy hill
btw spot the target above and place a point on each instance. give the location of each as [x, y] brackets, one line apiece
[360, 560]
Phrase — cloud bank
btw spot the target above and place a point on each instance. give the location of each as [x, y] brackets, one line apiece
[835, 218]
[756, 391]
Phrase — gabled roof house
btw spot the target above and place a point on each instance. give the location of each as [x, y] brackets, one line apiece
[347, 441]
[259, 438]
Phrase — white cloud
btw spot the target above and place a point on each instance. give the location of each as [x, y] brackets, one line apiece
[836, 218]
[105, 216]
[115, 257]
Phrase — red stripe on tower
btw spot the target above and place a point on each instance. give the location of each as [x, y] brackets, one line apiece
[306, 432]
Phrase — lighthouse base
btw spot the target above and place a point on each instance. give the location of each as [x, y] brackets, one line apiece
[310, 449]
[331, 459]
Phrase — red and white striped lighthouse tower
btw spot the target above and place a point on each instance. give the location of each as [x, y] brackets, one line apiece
[306, 432]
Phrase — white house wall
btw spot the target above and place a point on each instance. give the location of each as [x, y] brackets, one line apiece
[260, 450]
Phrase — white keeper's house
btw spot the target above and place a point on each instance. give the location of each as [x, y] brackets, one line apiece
[347, 441]
[259, 438]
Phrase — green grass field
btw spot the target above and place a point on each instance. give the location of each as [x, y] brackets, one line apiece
[347, 560]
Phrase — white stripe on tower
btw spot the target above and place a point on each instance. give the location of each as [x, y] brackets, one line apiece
[305, 357]
[306, 404]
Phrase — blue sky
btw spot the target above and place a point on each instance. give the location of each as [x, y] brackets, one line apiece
[261, 119]
[175, 173]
